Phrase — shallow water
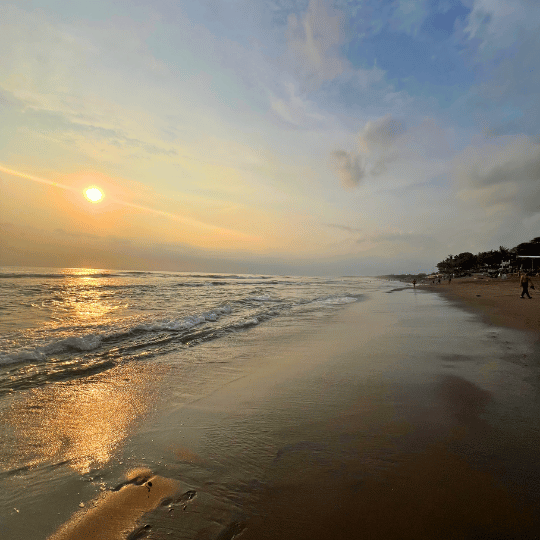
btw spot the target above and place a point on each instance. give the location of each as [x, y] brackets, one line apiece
[397, 413]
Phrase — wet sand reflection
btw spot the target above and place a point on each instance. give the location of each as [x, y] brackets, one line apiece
[81, 423]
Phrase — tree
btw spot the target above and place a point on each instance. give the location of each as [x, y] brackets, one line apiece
[529, 248]
[464, 262]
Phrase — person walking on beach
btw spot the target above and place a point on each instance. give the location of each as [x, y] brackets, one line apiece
[414, 283]
[525, 281]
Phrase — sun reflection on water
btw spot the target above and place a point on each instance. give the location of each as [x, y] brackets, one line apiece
[82, 423]
[85, 297]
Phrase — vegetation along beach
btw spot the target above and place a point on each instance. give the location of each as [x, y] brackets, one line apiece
[269, 270]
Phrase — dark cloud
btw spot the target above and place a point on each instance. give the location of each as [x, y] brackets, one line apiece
[349, 168]
[7, 99]
[383, 132]
[374, 152]
[504, 174]
[344, 228]
[397, 243]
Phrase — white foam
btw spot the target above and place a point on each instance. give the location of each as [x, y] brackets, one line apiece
[245, 323]
[91, 342]
[340, 300]
[79, 343]
[24, 355]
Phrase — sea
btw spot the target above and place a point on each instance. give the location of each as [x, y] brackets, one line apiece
[242, 387]
[62, 324]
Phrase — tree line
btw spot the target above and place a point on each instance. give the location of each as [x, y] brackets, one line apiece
[467, 262]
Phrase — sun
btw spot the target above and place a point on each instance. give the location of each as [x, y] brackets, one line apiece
[93, 194]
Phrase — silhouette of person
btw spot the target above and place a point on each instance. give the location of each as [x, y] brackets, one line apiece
[524, 282]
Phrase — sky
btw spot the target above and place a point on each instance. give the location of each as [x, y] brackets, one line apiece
[314, 137]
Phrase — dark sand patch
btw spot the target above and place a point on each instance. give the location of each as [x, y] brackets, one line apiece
[433, 494]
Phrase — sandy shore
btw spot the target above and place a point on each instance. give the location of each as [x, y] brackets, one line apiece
[497, 300]
[402, 419]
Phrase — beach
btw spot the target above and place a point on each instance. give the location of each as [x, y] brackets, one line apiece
[403, 415]
[498, 300]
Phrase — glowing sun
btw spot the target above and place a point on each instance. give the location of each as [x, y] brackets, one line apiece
[93, 194]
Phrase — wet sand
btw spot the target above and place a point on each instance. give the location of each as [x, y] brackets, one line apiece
[402, 418]
[497, 300]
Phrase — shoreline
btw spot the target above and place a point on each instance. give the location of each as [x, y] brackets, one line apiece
[497, 301]
[399, 417]
[344, 430]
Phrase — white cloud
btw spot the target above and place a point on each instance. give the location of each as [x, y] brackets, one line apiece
[313, 45]
[500, 23]
[297, 110]
[410, 15]
[503, 41]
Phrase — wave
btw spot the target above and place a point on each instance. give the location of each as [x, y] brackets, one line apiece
[82, 274]
[93, 341]
[148, 337]
[337, 300]
[4, 275]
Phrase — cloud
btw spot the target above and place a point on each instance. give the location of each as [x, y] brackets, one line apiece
[386, 143]
[313, 45]
[501, 174]
[74, 81]
[61, 127]
[501, 43]
[381, 133]
[375, 150]
[344, 227]
[349, 168]
[497, 23]
[397, 242]
[296, 110]
[409, 15]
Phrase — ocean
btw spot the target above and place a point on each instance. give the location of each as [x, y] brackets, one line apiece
[68, 323]
[226, 387]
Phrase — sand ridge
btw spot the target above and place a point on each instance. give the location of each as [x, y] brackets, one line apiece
[119, 510]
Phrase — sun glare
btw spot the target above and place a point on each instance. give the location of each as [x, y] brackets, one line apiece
[93, 194]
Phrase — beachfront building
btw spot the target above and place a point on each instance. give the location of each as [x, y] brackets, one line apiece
[534, 263]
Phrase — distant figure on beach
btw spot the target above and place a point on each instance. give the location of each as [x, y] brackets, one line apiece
[414, 283]
[525, 281]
